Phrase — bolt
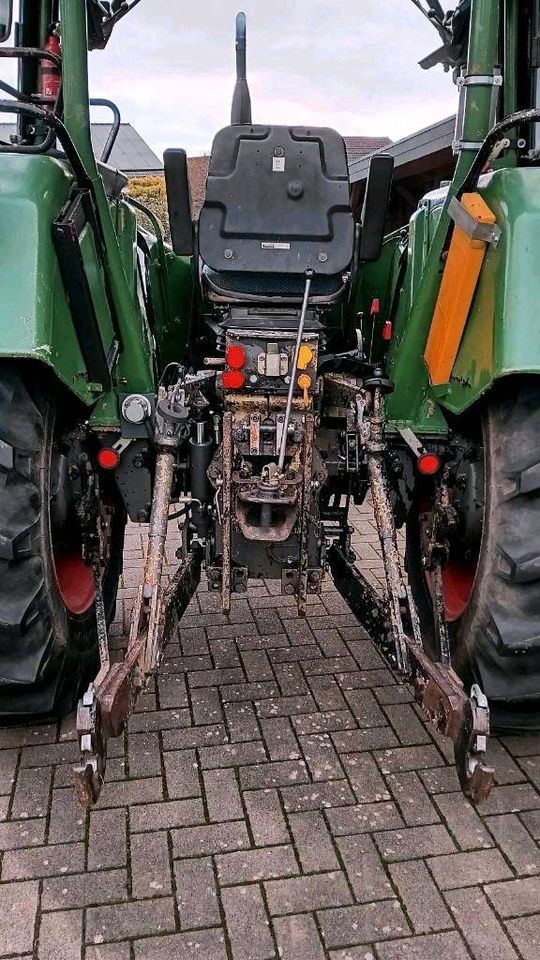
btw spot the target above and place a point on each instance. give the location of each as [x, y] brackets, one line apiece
[289, 589]
[228, 254]
[279, 151]
[323, 257]
[142, 516]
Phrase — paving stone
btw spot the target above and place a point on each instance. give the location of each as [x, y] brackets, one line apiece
[122, 794]
[275, 774]
[43, 861]
[181, 775]
[313, 842]
[307, 894]
[209, 839]
[188, 739]
[144, 755]
[107, 839]
[321, 757]
[129, 920]
[437, 946]
[150, 866]
[8, 765]
[250, 866]
[515, 897]
[363, 818]
[512, 799]
[484, 934]
[364, 868]
[327, 693]
[463, 821]
[31, 795]
[409, 730]
[196, 945]
[166, 815]
[317, 796]
[365, 708]
[67, 818]
[222, 795]
[108, 951]
[420, 897]
[515, 842]
[324, 722]
[280, 739]
[366, 781]
[402, 759]
[247, 923]
[196, 893]
[60, 936]
[440, 780]
[359, 741]
[525, 933]
[413, 842]
[363, 924]
[412, 799]
[84, 890]
[468, 869]
[18, 910]
[266, 819]
[298, 938]
[22, 833]
[231, 755]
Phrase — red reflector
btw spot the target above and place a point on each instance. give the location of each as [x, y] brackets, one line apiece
[235, 357]
[108, 459]
[233, 380]
[375, 307]
[387, 330]
[429, 464]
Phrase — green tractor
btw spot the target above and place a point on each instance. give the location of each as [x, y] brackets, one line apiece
[281, 362]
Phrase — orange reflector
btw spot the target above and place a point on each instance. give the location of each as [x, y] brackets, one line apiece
[233, 380]
[428, 464]
[108, 459]
[235, 357]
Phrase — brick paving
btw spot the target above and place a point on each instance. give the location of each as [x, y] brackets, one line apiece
[277, 796]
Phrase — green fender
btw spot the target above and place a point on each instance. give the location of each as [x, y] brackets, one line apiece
[35, 319]
[502, 336]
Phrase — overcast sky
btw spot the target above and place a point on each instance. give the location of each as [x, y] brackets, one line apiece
[352, 65]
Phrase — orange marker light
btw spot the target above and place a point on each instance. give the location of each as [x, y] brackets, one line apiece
[108, 459]
[235, 357]
[428, 464]
[233, 380]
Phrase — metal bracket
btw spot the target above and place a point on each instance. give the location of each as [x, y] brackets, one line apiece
[487, 80]
[487, 232]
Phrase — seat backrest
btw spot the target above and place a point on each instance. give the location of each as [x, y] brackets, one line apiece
[277, 201]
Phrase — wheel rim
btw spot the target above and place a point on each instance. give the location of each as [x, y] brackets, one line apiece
[457, 584]
[75, 582]
[74, 577]
[458, 576]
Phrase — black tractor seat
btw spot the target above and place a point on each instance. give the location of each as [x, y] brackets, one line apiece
[277, 204]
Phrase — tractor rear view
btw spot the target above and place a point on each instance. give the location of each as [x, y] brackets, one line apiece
[280, 364]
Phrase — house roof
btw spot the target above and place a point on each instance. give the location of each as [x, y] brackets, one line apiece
[358, 147]
[130, 154]
[418, 146]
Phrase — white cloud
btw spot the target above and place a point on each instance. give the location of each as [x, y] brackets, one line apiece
[351, 65]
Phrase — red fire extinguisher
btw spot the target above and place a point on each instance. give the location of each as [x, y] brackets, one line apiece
[50, 73]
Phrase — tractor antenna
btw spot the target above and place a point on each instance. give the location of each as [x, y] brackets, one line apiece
[241, 105]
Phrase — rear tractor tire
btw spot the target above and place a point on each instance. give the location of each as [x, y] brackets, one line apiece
[48, 634]
[492, 583]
